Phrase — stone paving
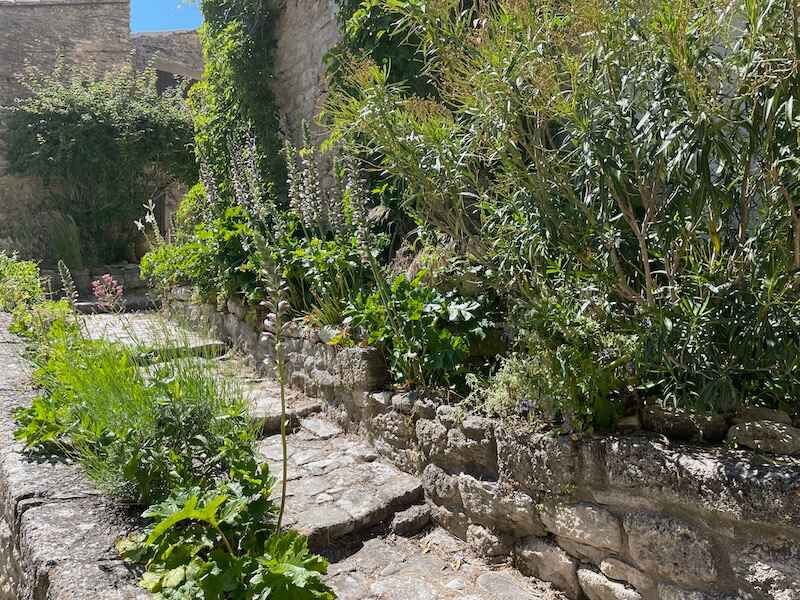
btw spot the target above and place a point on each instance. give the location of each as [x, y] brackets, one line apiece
[150, 331]
[341, 494]
[436, 566]
[337, 485]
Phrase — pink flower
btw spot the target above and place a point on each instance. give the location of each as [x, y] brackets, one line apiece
[108, 292]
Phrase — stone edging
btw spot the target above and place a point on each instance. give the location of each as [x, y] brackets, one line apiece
[57, 532]
[613, 517]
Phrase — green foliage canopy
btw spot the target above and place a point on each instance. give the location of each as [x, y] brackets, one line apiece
[104, 147]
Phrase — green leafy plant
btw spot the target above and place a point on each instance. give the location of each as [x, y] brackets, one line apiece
[138, 433]
[103, 146]
[221, 543]
[624, 172]
[426, 334]
[20, 283]
[217, 258]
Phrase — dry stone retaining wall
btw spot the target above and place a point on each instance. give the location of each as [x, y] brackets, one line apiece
[602, 517]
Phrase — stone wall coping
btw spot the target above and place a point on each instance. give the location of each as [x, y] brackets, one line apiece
[135, 35]
[57, 531]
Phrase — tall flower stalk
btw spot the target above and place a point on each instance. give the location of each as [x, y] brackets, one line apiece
[268, 225]
[274, 329]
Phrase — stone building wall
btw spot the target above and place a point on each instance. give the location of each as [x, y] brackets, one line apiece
[614, 517]
[170, 52]
[35, 33]
[305, 31]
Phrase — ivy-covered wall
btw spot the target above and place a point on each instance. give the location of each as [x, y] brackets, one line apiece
[94, 36]
[35, 33]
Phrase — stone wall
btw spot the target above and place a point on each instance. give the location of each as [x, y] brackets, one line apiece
[602, 517]
[93, 34]
[35, 33]
[305, 31]
[172, 52]
[57, 532]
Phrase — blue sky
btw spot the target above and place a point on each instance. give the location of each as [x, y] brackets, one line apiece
[162, 15]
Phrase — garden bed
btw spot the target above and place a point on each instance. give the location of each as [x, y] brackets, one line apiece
[593, 514]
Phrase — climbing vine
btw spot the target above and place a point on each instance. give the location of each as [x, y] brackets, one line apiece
[235, 98]
[369, 31]
[103, 147]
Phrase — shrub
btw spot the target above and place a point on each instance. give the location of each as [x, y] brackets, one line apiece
[36, 321]
[20, 283]
[192, 209]
[64, 241]
[103, 147]
[629, 167]
[217, 258]
[426, 334]
[322, 275]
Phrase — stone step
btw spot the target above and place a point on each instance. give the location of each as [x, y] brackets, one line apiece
[337, 486]
[151, 334]
[436, 566]
[265, 399]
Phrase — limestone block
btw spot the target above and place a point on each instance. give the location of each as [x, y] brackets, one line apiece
[599, 587]
[488, 544]
[404, 403]
[394, 429]
[543, 465]
[454, 521]
[411, 521]
[670, 549]
[325, 383]
[734, 484]
[513, 512]
[441, 488]
[538, 558]
[380, 402]
[673, 592]
[619, 571]
[684, 424]
[772, 570]
[424, 408]
[393, 435]
[362, 369]
[458, 450]
[761, 413]
[766, 436]
[584, 523]
[588, 554]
